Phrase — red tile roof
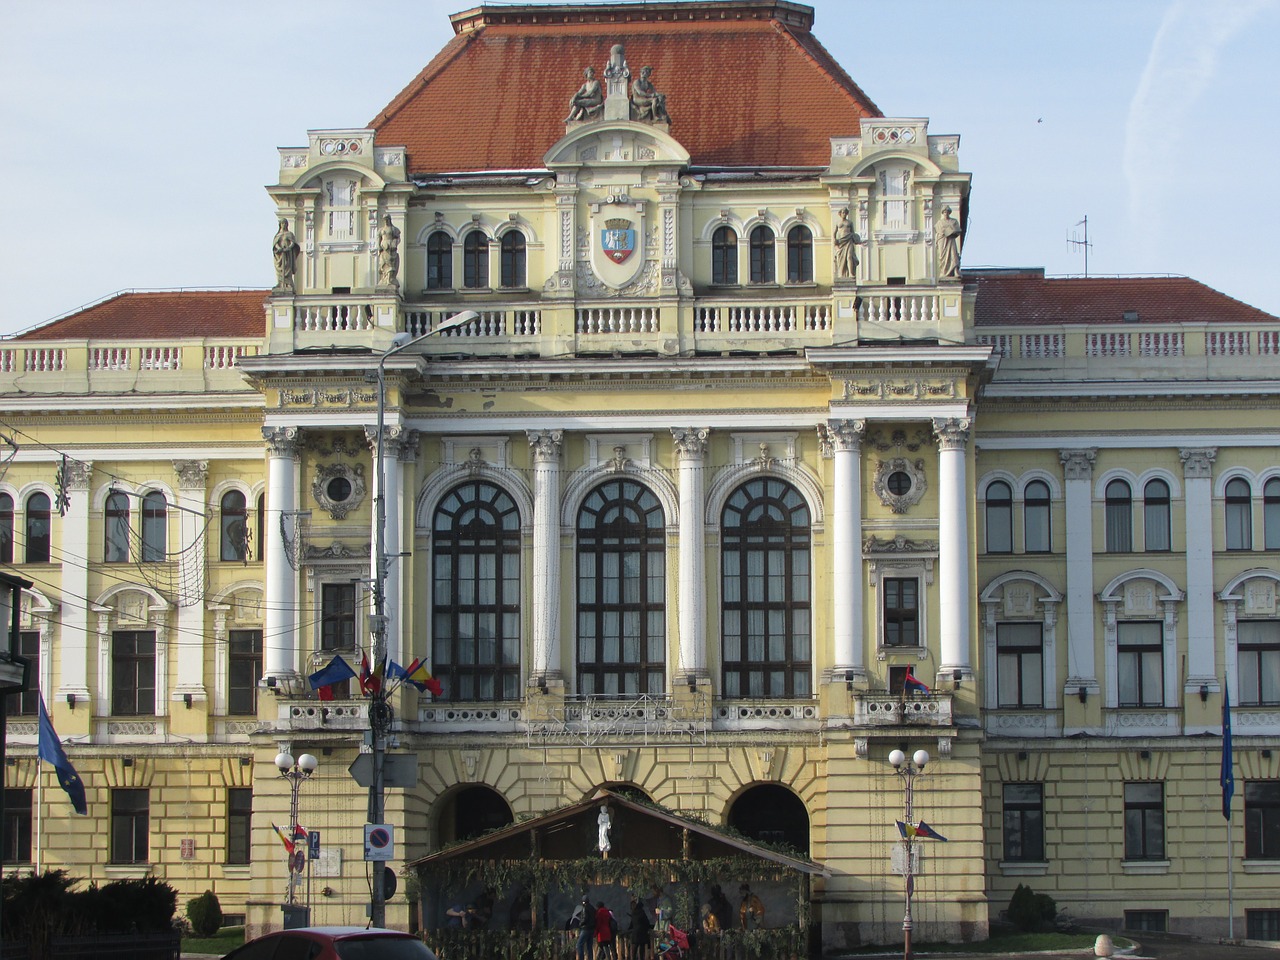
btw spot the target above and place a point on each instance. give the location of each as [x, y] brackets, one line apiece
[162, 315]
[1012, 297]
[746, 84]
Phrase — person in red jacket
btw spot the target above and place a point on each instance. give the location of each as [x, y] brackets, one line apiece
[606, 927]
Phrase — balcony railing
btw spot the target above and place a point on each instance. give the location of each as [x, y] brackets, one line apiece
[892, 710]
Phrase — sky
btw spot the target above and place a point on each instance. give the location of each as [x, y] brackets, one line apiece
[140, 133]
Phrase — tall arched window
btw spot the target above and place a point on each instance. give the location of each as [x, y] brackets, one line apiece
[39, 528]
[1270, 514]
[799, 255]
[1119, 517]
[513, 259]
[724, 256]
[439, 261]
[155, 527]
[6, 528]
[765, 586]
[475, 261]
[475, 563]
[234, 527]
[115, 546]
[622, 639]
[1035, 517]
[762, 255]
[999, 517]
[1156, 528]
[1239, 515]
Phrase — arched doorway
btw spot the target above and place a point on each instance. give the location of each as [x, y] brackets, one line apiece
[772, 814]
[471, 812]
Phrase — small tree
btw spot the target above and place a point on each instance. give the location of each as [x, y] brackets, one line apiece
[205, 914]
[1029, 910]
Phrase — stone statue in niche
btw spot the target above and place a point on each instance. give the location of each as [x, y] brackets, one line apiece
[646, 102]
[284, 248]
[845, 240]
[947, 238]
[388, 254]
[589, 100]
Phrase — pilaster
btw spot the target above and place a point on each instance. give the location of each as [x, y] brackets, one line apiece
[546, 447]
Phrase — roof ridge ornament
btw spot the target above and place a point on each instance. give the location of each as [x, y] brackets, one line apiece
[620, 99]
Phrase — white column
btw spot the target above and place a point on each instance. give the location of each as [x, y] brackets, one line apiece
[953, 545]
[1197, 478]
[691, 448]
[847, 616]
[74, 640]
[280, 621]
[393, 448]
[192, 478]
[545, 445]
[1077, 470]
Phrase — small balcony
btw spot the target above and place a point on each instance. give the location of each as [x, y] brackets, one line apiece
[894, 710]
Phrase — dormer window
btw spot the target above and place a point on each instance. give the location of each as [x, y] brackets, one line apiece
[340, 213]
[893, 189]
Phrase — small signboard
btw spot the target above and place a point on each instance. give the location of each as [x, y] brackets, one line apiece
[313, 844]
[379, 842]
[398, 770]
[188, 848]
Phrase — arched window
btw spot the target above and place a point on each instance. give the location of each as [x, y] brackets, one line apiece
[765, 587]
[999, 517]
[475, 261]
[773, 814]
[6, 528]
[1239, 515]
[1119, 517]
[1035, 517]
[724, 256]
[234, 528]
[1270, 514]
[439, 261]
[799, 255]
[39, 528]
[475, 562]
[762, 255]
[115, 547]
[622, 639]
[1155, 516]
[155, 527]
[513, 259]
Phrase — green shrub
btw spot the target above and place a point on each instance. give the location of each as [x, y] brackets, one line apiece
[1029, 910]
[205, 914]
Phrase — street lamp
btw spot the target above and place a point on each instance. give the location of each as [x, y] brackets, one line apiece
[379, 710]
[295, 772]
[908, 772]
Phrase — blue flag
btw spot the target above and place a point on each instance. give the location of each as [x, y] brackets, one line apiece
[335, 671]
[1228, 776]
[49, 748]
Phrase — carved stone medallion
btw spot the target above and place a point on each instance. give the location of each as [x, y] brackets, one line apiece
[339, 488]
[899, 483]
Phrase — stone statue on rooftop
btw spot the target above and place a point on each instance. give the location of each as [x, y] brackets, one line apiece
[947, 239]
[284, 248]
[388, 254]
[589, 100]
[845, 240]
[646, 102]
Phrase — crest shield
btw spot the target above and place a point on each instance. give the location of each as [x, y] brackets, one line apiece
[617, 242]
[617, 239]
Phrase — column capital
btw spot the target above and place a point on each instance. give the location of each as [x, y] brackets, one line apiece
[953, 432]
[192, 474]
[1197, 462]
[393, 436]
[1077, 464]
[691, 442]
[846, 434]
[545, 445]
[283, 441]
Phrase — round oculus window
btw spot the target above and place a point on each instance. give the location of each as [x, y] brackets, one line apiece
[899, 483]
[338, 489]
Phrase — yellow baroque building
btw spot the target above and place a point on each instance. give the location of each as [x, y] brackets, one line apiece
[723, 444]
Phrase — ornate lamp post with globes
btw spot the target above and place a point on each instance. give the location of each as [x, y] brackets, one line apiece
[908, 773]
[296, 772]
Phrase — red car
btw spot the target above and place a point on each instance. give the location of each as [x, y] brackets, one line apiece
[333, 943]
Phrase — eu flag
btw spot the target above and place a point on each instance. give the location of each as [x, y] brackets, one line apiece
[49, 748]
[1228, 776]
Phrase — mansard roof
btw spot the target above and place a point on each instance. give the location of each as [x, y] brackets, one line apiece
[747, 83]
[1014, 297]
[168, 314]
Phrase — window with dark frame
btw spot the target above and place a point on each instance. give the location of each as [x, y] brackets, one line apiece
[25, 704]
[475, 260]
[1035, 518]
[1156, 528]
[39, 529]
[234, 526]
[130, 825]
[439, 261]
[337, 616]
[133, 673]
[799, 255]
[513, 259]
[18, 822]
[901, 611]
[475, 562]
[115, 516]
[763, 253]
[6, 528]
[1140, 663]
[239, 824]
[1020, 664]
[724, 256]
[1024, 822]
[1147, 921]
[1262, 924]
[999, 517]
[1262, 820]
[1270, 515]
[155, 527]
[1144, 821]
[1238, 505]
[621, 591]
[244, 670]
[1119, 517]
[1258, 662]
[766, 575]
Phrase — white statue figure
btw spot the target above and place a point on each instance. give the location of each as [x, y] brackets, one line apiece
[947, 236]
[603, 822]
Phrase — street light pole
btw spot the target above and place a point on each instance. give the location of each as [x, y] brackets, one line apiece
[295, 772]
[379, 710]
[908, 772]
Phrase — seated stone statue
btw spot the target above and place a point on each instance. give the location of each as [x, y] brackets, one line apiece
[646, 102]
[588, 101]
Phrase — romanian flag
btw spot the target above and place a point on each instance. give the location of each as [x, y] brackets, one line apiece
[418, 674]
[911, 685]
[284, 838]
[299, 833]
[918, 831]
[370, 680]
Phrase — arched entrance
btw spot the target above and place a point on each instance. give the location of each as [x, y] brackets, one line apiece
[771, 814]
[471, 812]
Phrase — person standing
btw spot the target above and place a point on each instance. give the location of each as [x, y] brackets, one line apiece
[585, 915]
[640, 927]
[606, 929]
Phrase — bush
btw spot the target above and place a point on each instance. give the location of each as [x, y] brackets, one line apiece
[205, 914]
[1031, 911]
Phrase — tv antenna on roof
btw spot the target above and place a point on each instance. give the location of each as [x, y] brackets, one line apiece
[1081, 240]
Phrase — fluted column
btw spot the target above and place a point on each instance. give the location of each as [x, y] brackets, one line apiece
[691, 449]
[280, 622]
[1077, 471]
[847, 616]
[545, 446]
[1197, 478]
[953, 544]
[74, 640]
[192, 478]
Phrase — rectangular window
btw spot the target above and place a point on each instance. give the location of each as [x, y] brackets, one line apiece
[1262, 924]
[239, 822]
[130, 824]
[1262, 820]
[1024, 822]
[244, 670]
[901, 612]
[1020, 664]
[337, 616]
[1147, 921]
[1140, 664]
[24, 704]
[17, 826]
[133, 673]
[1144, 821]
[1258, 662]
